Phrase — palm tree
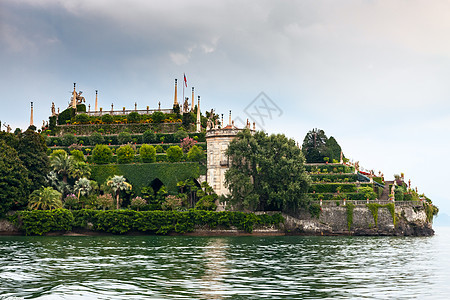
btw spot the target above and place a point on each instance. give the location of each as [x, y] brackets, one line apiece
[61, 164]
[118, 183]
[82, 187]
[79, 169]
[45, 198]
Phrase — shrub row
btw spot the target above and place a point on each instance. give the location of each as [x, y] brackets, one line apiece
[333, 188]
[122, 221]
[88, 149]
[334, 177]
[94, 139]
[340, 196]
[114, 128]
[328, 168]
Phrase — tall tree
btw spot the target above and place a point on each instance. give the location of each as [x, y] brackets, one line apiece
[32, 151]
[333, 149]
[314, 146]
[266, 173]
[14, 180]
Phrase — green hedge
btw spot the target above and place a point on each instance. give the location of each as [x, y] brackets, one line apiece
[334, 177]
[123, 221]
[141, 175]
[38, 222]
[113, 139]
[332, 188]
[328, 168]
[109, 129]
[331, 196]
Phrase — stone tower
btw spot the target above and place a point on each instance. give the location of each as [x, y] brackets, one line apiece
[217, 141]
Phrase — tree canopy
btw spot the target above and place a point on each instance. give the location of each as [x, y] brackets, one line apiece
[14, 180]
[33, 154]
[266, 173]
[316, 146]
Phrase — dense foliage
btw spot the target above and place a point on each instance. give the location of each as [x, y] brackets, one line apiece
[14, 182]
[266, 173]
[147, 153]
[124, 221]
[33, 154]
[102, 154]
[317, 147]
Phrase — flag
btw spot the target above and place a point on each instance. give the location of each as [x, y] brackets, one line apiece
[185, 80]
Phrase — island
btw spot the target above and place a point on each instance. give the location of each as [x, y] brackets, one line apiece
[178, 171]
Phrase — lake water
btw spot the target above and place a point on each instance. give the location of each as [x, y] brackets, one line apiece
[293, 267]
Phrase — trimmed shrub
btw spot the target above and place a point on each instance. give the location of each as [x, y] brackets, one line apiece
[147, 153]
[108, 119]
[179, 136]
[159, 149]
[124, 138]
[96, 138]
[69, 139]
[82, 118]
[125, 154]
[158, 117]
[134, 117]
[102, 154]
[174, 153]
[77, 155]
[149, 137]
[196, 154]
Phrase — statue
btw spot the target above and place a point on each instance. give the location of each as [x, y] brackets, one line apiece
[186, 105]
[53, 109]
[159, 106]
[8, 128]
[80, 99]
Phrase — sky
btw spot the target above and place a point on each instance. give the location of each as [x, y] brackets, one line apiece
[372, 74]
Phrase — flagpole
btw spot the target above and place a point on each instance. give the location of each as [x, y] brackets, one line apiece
[184, 83]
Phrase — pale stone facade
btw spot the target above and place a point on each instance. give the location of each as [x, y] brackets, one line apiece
[217, 141]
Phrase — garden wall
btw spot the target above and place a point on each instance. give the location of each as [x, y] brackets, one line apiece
[141, 175]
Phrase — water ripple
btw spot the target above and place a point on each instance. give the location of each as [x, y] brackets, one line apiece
[152, 267]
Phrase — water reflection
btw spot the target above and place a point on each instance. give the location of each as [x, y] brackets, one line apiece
[152, 267]
[212, 286]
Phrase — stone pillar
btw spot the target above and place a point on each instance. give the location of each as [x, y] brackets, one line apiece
[175, 98]
[74, 96]
[198, 113]
[193, 99]
[31, 117]
[96, 100]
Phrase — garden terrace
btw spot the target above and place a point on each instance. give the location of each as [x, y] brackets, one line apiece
[337, 182]
[125, 112]
[85, 140]
[142, 175]
[328, 168]
[334, 203]
[349, 177]
[86, 129]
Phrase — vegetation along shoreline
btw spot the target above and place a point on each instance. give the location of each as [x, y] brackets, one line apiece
[178, 171]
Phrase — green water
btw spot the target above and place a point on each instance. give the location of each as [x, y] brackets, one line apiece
[154, 267]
